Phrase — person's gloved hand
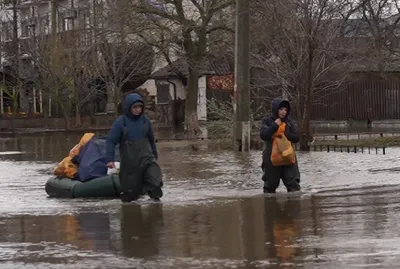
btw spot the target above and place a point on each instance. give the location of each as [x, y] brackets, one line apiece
[111, 165]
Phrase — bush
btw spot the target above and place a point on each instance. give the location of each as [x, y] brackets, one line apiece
[220, 122]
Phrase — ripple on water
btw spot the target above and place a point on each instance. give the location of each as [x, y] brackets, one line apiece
[49, 255]
[346, 218]
[196, 176]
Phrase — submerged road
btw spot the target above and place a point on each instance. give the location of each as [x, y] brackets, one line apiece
[213, 215]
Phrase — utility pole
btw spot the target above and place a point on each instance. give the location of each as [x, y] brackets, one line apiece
[242, 127]
[54, 23]
[54, 43]
[15, 36]
[17, 91]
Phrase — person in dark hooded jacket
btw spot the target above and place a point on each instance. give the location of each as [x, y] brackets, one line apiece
[289, 174]
[139, 172]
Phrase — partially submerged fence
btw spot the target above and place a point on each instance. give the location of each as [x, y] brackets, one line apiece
[346, 148]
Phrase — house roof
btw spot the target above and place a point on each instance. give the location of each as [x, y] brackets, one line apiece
[214, 65]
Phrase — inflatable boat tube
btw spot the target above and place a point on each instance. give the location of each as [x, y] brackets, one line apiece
[101, 187]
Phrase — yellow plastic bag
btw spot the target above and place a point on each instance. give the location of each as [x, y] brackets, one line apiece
[282, 149]
[84, 139]
[66, 168]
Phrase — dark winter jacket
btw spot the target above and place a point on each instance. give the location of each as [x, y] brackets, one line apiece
[269, 127]
[290, 174]
[134, 126]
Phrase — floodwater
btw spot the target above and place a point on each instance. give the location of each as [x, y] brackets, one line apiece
[213, 215]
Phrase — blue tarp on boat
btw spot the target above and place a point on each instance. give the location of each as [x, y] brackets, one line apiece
[91, 160]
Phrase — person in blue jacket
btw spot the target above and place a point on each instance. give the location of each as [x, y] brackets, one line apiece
[139, 171]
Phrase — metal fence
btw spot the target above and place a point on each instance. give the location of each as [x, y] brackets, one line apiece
[368, 97]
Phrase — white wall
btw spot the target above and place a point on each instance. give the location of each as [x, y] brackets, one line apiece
[180, 89]
[202, 99]
[150, 85]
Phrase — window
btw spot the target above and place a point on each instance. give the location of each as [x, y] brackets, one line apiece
[163, 95]
[44, 24]
[84, 18]
[66, 25]
[25, 29]
[7, 2]
[65, 22]
[99, 13]
[84, 26]
[7, 33]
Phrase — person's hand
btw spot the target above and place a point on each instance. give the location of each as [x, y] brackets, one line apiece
[111, 165]
[278, 121]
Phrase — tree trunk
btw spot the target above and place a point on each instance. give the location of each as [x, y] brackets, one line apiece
[65, 110]
[192, 126]
[78, 121]
[66, 120]
[92, 114]
[305, 133]
[13, 124]
[116, 100]
[111, 98]
[45, 110]
[306, 137]
[14, 109]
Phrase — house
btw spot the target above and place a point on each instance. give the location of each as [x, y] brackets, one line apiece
[169, 83]
[26, 36]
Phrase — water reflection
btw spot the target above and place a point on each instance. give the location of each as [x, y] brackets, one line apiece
[95, 228]
[282, 227]
[55, 146]
[40, 148]
[86, 231]
[278, 232]
[253, 229]
[212, 216]
[140, 229]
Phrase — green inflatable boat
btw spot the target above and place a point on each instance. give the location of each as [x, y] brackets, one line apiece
[101, 187]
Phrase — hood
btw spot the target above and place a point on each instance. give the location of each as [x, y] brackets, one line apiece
[276, 103]
[128, 102]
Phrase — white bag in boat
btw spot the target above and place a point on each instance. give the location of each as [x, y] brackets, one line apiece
[112, 171]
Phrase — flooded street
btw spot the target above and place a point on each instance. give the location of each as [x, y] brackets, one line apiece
[213, 213]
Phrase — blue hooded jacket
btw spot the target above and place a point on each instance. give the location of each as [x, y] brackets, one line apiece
[134, 127]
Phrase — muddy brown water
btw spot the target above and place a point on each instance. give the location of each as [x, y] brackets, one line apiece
[213, 215]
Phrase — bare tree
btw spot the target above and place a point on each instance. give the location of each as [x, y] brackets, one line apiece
[302, 47]
[121, 64]
[52, 65]
[117, 56]
[13, 89]
[380, 24]
[62, 73]
[182, 29]
[9, 87]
